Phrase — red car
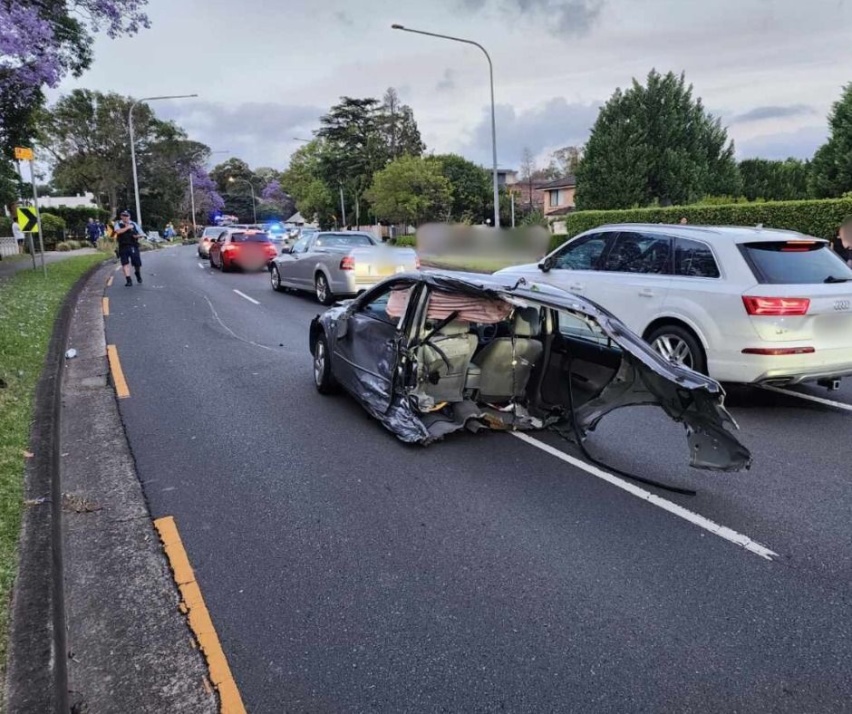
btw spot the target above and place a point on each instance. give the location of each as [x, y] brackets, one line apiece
[245, 249]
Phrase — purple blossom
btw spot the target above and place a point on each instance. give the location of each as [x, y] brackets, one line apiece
[207, 198]
[31, 54]
[273, 193]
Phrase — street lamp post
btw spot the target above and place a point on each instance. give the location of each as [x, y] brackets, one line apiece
[253, 199]
[493, 113]
[133, 147]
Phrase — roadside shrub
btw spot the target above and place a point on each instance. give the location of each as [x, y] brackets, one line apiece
[404, 241]
[814, 218]
[52, 223]
[5, 227]
[64, 246]
[106, 245]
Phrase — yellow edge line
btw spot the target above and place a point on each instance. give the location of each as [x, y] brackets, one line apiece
[199, 618]
[121, 388]
[105, 304]
[109, 282]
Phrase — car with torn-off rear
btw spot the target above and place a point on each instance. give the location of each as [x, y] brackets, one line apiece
[430, 353]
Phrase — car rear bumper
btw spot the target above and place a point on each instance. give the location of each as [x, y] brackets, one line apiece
[782, 369]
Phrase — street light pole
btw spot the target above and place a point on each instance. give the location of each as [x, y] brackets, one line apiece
[493, 111]
[253, 199]
[133, 147]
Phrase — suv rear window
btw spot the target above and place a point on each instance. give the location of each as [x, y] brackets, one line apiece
[794, 262]
[249, 238]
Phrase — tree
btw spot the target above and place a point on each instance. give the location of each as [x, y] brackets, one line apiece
[831, 170]
[232, 168]
[470, 187]
[528, 170]
[305, 181]
[40, 43]
[565, 161]
[275, 202]
[655, 144]
[208, 201]
[399, 128]
[410, 189]
[774, 180]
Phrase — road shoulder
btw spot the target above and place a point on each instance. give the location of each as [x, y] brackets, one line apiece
[129, 646]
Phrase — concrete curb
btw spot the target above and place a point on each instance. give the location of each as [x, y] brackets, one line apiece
[36, 674]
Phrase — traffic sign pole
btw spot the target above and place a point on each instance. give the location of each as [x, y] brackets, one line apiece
[38, 216]
[29, 235]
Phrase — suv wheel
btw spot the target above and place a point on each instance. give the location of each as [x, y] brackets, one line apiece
[324, 294]
[679, 345]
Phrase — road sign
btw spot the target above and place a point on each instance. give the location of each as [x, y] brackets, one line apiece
[28, 220]
[23, 154]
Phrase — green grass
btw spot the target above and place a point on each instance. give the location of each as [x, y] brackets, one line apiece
[29, 304]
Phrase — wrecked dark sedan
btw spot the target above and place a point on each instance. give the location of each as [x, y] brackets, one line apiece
[434, 352]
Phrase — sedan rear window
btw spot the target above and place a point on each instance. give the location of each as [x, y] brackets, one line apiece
[335, 240]
[249, 238]
[795, 262]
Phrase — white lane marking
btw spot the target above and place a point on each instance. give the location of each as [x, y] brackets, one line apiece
[694, 518]
[809, 397]
[243, 295]
[201, 265]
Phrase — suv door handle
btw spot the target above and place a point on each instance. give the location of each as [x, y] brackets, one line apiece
[646, 292]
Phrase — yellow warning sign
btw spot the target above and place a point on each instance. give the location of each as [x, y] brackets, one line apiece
[23, 154]
[28, 220]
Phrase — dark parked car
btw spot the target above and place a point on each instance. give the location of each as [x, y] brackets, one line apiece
[429, 353]
[245, 249]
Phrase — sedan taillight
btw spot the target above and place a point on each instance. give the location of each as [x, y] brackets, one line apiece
[348, 263]
[776, 306]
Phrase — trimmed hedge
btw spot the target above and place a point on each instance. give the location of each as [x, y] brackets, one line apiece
[820, 219]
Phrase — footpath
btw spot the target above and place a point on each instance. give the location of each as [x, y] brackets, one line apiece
[97, 624]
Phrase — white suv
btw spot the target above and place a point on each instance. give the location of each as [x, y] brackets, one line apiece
[740, 304]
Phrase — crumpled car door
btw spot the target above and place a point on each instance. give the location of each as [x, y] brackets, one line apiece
[610, 367]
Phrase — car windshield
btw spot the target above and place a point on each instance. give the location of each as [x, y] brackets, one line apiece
[249, 238]
[336, 240]
[795, 262]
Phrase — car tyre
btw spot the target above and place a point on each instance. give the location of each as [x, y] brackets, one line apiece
[323, 290]
[679, 345]
[275, 278]
[222, 265]
[323, 378]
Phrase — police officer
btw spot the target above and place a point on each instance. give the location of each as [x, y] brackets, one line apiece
[128, 233]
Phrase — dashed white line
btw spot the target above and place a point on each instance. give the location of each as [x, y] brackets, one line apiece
[809, 397]
[243, 295]
[201, 265]
[694, 518]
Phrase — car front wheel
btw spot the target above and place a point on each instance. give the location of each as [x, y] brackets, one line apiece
[679, 345]
[323, 378]
[275, 278]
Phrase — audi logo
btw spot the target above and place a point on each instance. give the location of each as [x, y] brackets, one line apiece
[842, 305]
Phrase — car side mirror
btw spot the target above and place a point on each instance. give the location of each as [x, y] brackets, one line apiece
[547, 264]
[286, 250]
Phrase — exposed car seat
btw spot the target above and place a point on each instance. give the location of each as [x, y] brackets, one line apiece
[444, 360]
[503, 368]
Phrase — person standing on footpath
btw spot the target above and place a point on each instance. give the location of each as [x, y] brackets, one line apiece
[128, 233]
[93, 232]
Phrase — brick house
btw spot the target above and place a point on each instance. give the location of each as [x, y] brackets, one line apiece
[559, 201]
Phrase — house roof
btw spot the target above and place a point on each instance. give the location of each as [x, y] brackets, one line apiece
[566, 182]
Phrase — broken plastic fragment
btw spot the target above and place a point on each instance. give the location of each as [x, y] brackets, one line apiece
[71, 354]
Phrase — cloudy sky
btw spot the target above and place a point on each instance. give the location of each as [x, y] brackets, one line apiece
[265, 70]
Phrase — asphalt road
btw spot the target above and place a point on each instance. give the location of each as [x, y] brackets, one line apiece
[347, 572]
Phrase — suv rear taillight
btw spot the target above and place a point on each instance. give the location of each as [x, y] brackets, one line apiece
[348, 263]
[776, 306]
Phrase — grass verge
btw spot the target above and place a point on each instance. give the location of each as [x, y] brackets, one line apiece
[29, 304]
